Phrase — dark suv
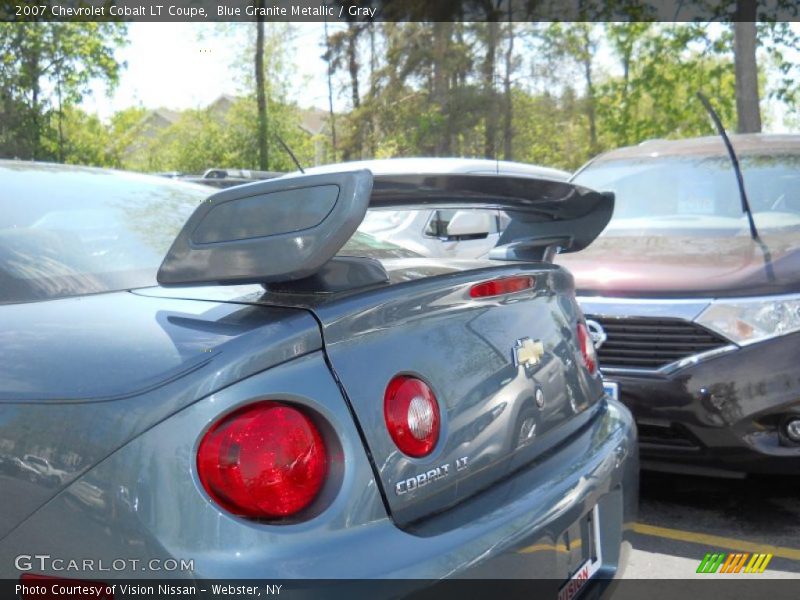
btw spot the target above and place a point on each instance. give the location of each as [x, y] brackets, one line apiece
[696, 322]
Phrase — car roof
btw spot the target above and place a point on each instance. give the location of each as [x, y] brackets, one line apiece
[712, 145]
[72, 177]
[443, 166]
[392, 166]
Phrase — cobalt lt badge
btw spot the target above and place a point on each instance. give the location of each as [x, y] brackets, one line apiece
[528, 353]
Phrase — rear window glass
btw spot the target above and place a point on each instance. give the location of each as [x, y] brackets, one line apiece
[364, 244]
[70, 232]
[76, 231]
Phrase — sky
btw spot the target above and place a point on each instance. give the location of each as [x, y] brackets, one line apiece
[188, 65]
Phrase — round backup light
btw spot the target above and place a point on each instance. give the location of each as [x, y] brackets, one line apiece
[264, 461]
[412, 415]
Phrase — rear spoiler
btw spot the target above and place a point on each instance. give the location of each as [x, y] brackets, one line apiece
[545, 214]
[286, 229]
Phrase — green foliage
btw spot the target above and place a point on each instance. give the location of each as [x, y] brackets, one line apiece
[241, 136]
[780, 41]
[47, 68]
[434, 96]
[124, 131]
[550, 130]
[205, 138]
[226, 135]
[547, 93]
[663, 67]
[85, 140]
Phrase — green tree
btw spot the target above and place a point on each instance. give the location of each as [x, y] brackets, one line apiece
[241, 146]
[576, 44]
[779, 42]
[550, 130]
[124, 130]
[261, 94]
[82, 139]
[205, 138]
[46, 68]
[663, 66]
[342, 51]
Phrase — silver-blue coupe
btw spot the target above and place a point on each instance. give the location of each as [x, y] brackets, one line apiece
[243, 385]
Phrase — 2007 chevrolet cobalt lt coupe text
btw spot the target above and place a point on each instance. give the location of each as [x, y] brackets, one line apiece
[286, 397]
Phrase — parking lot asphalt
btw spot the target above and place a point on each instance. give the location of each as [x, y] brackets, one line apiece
[681, 518]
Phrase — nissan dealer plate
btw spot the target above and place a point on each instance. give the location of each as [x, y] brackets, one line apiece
[589, 568]
[611, 389]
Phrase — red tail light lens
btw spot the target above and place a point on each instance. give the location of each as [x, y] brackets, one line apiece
[412, 415]
[498, 287]
[266, 460]
[588, 352]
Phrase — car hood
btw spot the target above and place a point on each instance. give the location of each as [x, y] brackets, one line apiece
[686, 265]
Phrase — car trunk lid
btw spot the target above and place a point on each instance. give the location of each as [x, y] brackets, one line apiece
[497, 415]
[425, 324]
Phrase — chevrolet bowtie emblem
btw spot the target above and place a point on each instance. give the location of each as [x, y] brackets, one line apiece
[527, 352]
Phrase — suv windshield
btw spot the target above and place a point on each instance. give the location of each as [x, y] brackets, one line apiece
[673, 194]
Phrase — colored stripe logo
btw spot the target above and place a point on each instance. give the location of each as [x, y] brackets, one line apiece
[738, 562]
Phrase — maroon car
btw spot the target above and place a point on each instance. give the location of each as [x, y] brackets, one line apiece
[697, 322]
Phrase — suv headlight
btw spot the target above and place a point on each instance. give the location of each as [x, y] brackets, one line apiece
[746, 321]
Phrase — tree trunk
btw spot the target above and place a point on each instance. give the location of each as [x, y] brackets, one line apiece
[489, 66]
[60, 122]
[352, 62]
[373, 57]
[352, 67]
[373, 89]
[57, 74]
[261, 96]
[36, 133]
[744, 57]
[34, 73]
[332, 115]
[439, 94]
[508, 131]
[591, 109]
[626, 105]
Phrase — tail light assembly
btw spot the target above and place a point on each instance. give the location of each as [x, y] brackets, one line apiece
[412, 415]
[502, 286]
[266, 460]
[588, 352]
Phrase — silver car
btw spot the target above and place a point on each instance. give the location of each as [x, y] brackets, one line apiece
[450, 232]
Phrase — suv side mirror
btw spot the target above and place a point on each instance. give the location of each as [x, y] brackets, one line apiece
[470, 224]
